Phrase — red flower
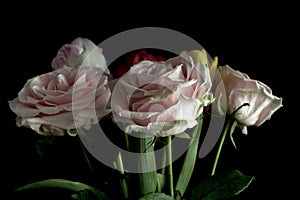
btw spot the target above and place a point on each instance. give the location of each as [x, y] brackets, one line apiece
[135, 58]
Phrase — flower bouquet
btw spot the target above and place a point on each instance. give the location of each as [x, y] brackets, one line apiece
[146, 119]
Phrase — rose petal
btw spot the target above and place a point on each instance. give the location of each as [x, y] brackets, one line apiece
[262, 105]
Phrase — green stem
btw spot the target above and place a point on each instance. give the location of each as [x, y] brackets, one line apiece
[119, 166]
[224, 133]
[170, 167]
[85, 155]
[147, 165]
[161, 183]
[164, 160]
[126, 141]
[230, 124]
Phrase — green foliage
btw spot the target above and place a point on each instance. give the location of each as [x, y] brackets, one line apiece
[190, 159]
[156, 196]
[75, 187]
[221, 186]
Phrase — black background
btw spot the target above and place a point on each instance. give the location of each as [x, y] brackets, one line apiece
[252, 38]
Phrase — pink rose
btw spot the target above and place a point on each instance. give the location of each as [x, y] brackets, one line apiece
[162, 98]
[81, 51]
[240, 89]
[63, 99]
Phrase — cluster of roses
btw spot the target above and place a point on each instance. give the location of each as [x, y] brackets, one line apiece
[156, 96]
[148, 95]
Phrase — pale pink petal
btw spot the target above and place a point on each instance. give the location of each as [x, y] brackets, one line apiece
[81, 52]
[161, 98]
[51, 104]
[23, 110]
[240, 89]
[261, 106]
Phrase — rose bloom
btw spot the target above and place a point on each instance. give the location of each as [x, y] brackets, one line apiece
[61, 100]
[240, 89]
[135, 58]
[162, 98]
[81, 52]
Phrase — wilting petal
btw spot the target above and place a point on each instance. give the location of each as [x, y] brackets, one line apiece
[261, 105]
[240, 89]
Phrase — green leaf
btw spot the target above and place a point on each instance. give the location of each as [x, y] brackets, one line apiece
[221, 186]
[189, 160]
[183, 135]
[161, 182]
[156, 196]
[63, 184]
[84, 195]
